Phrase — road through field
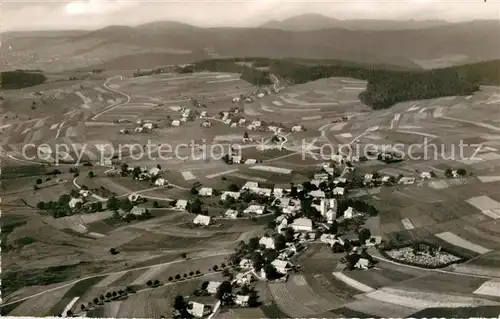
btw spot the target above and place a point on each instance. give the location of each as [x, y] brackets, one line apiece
[116, 104]
[112, 273]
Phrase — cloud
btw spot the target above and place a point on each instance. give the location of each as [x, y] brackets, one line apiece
[92, 7]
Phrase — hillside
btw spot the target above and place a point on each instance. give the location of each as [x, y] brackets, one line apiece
[180, 43]
[309, 22]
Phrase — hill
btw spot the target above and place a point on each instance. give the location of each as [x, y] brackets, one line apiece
[465, 43]
[311, 21]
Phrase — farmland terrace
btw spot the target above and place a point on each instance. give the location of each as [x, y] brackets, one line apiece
[56, 262]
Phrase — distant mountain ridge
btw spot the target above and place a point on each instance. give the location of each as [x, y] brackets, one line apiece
[312, 21]
[167, 42]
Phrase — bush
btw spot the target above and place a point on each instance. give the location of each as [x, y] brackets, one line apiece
[191, 273]
[170, 278]
[177, 277]
[215, 267]
[149, 283]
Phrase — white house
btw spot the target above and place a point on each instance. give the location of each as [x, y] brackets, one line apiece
[368, 179]
[243, 279]
[283, 224]
[236, 159]
[227, 194]
[278, 192]
[242, 121]
[139, 129]
[257, 123]
[425, 175]
[339, 191]
[198, 310]
[213, 286]
[205, 191]
[264, 191]
[386, 179]
[322, 177]
[340, 180]
[254, 209]
[317, 194]
[272, 128]
[203, 114]
[252, 186]
[339, 159]
[231, 213]
[330, 216]
[406, 180]
[349, 213]
[246, 263]
[267, 242]
[183, 120]
[124, 131]
[250, 161]
[181, 204]
[234, 124]
[227, 121]
[74, 201]
[241, 300]
[206, 124]
[363, 263]
[260, 95]
[176, 123]
[201, 220]
[148, 126]
[236, 99]
[134, 197]
[138, 211]
[154, 171]
[160, 182]
[373, 240]
[281, 266]
[302, 224]
[297, 128]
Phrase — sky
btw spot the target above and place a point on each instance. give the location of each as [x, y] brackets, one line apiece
[93, 14]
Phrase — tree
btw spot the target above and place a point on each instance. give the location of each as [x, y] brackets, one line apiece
[333, 227]
[184, 255]
[215, 267]
[113, 251]
[364, 234]
[233, 188]
[448, 173]
[35, 188]
[83, 307]
[101, 297]
[224, 291]
[253, 244]
[156, 282]
[204, 285]
[280, 242]
[170, 278]
[91, 174]
[462, 172]
[269, 254]
[177, 277]
[149, 283]
[155, 204]
[69, 313]
[38, 181]
[113, 203]
[253, 300]
[96, 301]
[114, 294]
[191, 273]
[179, 304]
[271, 272]
[40, 205]
[245, 135]
[185, 275]
[108, 295]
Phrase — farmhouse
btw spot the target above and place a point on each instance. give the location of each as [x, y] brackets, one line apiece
[267, 242]
[264, 191]
[201, 220]
[198, 310]
[205, 191]
[278, 192]
[373, 240]
[234, 195]
[261, 95]
[386, 179]
[231, 213]
[124, 131]
[176, 123]
[241, 300]
[236, 159]
[251, 186]
[368, 179]
[330, 216]
[339, 180]
[337, 158]
[139, 129]
[254, 209]
[406, 180]
[160, 182]
[322, 177]
[236, 99]
[181, 204]
[242, 121]
[257, 123]
[206, 124]
[213, 286]
[281, 266]
[203, 114]
[250, 161]
[339, 191]
[138, 211]
[297, 128]
[134, 197]
[317, 194]
[74, 201]
[302, 224]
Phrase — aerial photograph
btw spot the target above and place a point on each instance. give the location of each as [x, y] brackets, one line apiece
[226, 159]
